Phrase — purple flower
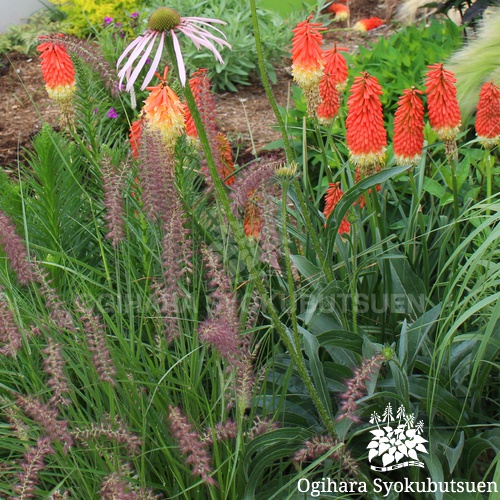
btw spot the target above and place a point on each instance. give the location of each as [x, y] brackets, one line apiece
[134, 15]
[163, 22]
[96, 110]
[108, 20]
[118, 24]
[112, 113]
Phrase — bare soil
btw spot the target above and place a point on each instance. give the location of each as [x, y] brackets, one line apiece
[245, 116]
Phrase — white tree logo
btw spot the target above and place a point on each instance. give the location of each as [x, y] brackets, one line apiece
[396, 439]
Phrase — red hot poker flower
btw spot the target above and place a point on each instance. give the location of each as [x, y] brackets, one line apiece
[332, 197]
[330, 99]
[340, 10]
[225, 165]
[308, 61]
[164, 112]
[488, 115]
[336, 66]
[366, 136]
[58, 70]
[409, 128]
[135, 136]
[368, 24]
[444, 113]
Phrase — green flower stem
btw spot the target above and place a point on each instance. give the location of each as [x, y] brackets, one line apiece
[311, 232]
[291, 285]
[453, 162]
[265, 82]
[246, 254]
[489, 165]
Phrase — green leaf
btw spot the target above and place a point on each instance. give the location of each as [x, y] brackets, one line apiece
[418, 332]
[433, 187]
[311, 347]
[453, 454]
[408, 290]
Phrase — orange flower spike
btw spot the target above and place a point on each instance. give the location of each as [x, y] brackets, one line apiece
[409, 128]
[224, 149]
[340, 10]
[308, 61]
[366, 136]
[164, 112]
[488, 115]
[444, 113]
[333, 196]
[57, 68]
[368, 24]
[196, 83]
[59, 75]
[135, 136]
[330, 99]
[253, 221]
[336, 66]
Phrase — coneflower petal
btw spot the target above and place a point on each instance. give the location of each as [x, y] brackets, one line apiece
[154, 65]
[135, 54]
[201, 42]
[128, 49]
[180, 60]
[139, 66]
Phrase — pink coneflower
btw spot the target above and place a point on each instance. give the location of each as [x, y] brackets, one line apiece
[409, 128]
[366, 136]
[164, 22]
[308, 61]
[488, 115]
[332, 197]
[368, 24]
[444, 113]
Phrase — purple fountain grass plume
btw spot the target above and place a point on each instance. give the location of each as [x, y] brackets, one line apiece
[57, 495]
[221, 328]
[53, 365]
[319, 446]
[15, 251]
[46, 416]
[190, 444]
[13, 416]
[91, 54]
[113, 179]
[162, 23]
[261, 426]
[32, 465]
[254, 177]
[356, 386]
[177, 263]
[117, 432]
[58, 313]
[9, 330]
[96, 340]
[221, 432]
[114, 487]
[156, 167]
[270, 240]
